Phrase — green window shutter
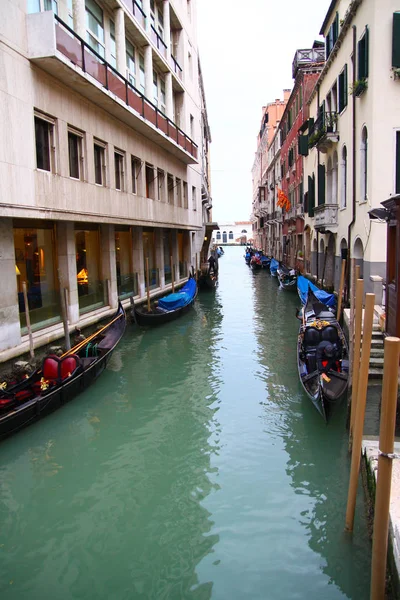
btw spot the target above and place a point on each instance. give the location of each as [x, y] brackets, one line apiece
[398, 162]
[345, 86]
[321, 185]
[360, 58]
[311, 196]
[366, 55]
[335, 29]
[303, 145]
[396, 40]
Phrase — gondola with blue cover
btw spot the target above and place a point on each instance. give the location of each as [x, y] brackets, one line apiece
[322, 351]
[169, 307]
[287, 277]
[273, 267]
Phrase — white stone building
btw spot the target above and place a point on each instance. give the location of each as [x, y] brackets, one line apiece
[103, 157]
[353, 139]
[232, 233]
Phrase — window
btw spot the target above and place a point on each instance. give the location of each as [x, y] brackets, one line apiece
[155, 88]
[218, 235]
[397, 184]
[194, 198]
[161, 185]
[136, 165]
[157, 19]
[190, 65]
[99, 163]
[343, 187]
[396, 40]
[88, 268]
[126, 278]
[343, 89]
[179, 191]
[332, 36]
[171, 188]
[243, 231]
[44, 139]
[321, 185]
[185, 195]
[231, 234]
[94, 27]
[35, 6]
[149, 181]
[70, 21]
[192, 127]
[130, 63]
[142, 78]
[363, 52]
[364, 166]
[75, 154]
[36, 264]
[189, 9]
[311, 195]
[119, 170]
[113, 47]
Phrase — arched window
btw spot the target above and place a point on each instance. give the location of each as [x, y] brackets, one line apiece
[243, 231]
[334, 198]
[329, 182]
[343, 171]
[218, 235]
[364, 166]
[231, 235]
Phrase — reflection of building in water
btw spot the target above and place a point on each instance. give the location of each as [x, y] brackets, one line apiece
[111, 135]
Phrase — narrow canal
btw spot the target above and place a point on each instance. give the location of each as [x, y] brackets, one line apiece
[194, 468]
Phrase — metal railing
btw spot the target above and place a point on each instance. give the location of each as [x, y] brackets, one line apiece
[326, 122]
[176, 67]
[137, 11]
[79, 52]
[158, 41]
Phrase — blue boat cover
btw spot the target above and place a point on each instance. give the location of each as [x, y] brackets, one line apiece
[179, 299]
[303, 285]
[273, 265]
[265, 260]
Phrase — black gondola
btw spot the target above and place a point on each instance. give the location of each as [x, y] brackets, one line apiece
[59, 379]
[322, 356]
[207, 281]
[287, 277]
[169, 307]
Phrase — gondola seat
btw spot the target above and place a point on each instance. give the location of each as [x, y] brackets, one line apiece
[312, 337]
[55, 370]
[330, 334]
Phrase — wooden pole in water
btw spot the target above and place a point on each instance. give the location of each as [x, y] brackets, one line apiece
[356, 357]
[384, 475]
[172, 276]
[148, 284]
[360, 410]
[28, 320]
[341, 289]
[197, 267]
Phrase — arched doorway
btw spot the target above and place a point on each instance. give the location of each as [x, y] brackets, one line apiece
[321, 258]
[314, 257]
[307, 250]
[358, 254]
[329, 277]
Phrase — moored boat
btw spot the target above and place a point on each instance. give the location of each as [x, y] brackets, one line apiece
[207, 281]
[59, 379]
[255, 262]
[273, 267]
[168, 307]
[287, 277]
[322, 355]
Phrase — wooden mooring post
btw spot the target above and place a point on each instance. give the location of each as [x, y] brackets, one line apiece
[28, 319]
[360, 410]
[357, 323]
[339, 309]
[384, 475]
[172, 276]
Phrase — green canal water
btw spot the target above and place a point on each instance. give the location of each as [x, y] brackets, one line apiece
[194, 468]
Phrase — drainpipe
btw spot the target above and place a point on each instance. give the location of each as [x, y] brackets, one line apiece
[354, 164]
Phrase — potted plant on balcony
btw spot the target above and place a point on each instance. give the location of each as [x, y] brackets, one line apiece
[358, 87]
[315, 137]
[331, 119]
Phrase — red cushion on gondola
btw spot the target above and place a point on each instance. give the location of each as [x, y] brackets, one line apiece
[50, 368]
[69, 364]
[5, 401]
[23, 395]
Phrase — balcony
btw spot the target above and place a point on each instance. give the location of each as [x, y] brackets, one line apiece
[57, 49]
[158, 42]
[324, 131]
[136, 11]
[176, 67]
[305, 58]
[326, 216]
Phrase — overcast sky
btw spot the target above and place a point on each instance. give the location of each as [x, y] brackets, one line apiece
[246, 53]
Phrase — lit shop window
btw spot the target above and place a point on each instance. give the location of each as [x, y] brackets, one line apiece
[35, 264]
[126, 278]
[91, 289]
[149, 256]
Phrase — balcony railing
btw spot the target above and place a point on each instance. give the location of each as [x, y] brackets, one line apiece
[324, 129]
[75, 49]
[137, 12]
[158, 42]
[326, 215]
[304, 58]
[176, 67]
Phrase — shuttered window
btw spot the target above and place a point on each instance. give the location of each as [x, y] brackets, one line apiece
[332, 36]
[396, 40]
[363, 55]
[303, 145]
[398, 162]
[311, 195]
[343, 89]
[321, 185]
